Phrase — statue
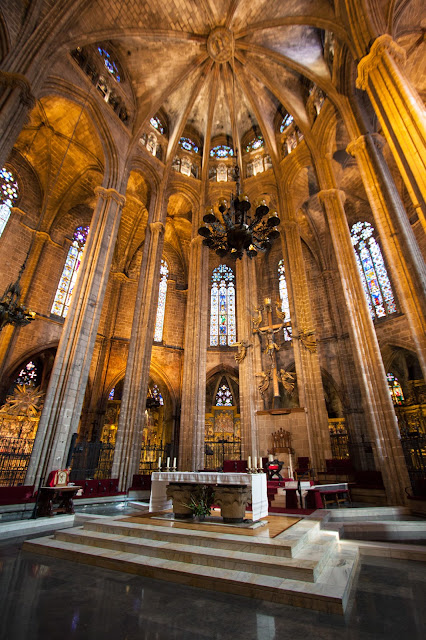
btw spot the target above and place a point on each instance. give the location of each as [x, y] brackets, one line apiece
[287, 380]
[264, 383]
[242, 350]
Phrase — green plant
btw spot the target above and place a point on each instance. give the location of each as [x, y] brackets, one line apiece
[201, 500]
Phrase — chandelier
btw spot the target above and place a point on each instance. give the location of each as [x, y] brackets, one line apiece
[238, 231]
[11, 311]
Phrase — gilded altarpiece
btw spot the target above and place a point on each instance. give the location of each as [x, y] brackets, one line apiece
[222, 436]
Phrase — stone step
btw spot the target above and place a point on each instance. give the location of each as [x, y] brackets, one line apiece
[328, 594]
[295, 568]
[286, 544]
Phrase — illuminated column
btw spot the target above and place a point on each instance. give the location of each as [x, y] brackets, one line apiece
[64, 399]
[192, 430]
[402, 252]
[309, 382]
[378, 405]
[400, 112]
[16, 101]
[133, 404]
[250, 399]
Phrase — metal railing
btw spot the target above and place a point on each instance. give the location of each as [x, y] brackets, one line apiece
[149, 458]
[91, 460]
[216, 451]
[15, 454]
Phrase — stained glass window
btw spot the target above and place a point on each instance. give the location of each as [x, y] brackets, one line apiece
[285, 307]
[255, 144]
[375, 280]
[69, 274]
[111, 394]
[110, 63]
[224, 396]
[29, 375]
[157, 124]
[154, 392]
[395, 389]
[8, 195]
[159, 323]
[188, 145]
[286, 122]
[221, 151]
[222, 307]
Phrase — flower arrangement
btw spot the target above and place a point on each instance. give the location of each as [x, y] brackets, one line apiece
[201, 501]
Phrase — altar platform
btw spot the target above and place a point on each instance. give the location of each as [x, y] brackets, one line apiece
[287, 561]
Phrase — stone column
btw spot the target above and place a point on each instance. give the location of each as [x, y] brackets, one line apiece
[402, 252]
[16, 101]
[309, 382]
[64, 399]
[400, 112]
[250, 400]
[192, 429]
[379, 409]
[133, 404]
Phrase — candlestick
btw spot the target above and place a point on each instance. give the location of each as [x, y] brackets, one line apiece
[249, 463]
[159, 463]
[174, 463]
[168, 463]
[255, 463]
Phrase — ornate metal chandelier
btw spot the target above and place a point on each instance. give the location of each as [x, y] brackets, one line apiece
[11, 311]
[239, 232]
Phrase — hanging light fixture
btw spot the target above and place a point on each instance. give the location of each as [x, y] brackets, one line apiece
[11, 311]
[237, 231]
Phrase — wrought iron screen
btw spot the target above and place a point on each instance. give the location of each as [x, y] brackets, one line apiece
[91, 460]
[149, 458]
[15, 456]
[216, 451]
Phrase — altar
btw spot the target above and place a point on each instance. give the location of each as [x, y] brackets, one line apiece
[256, 483]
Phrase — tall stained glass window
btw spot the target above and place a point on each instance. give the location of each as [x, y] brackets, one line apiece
[222, 307]
[285, 307]
[161, 307]
[375, 280]
[395, 389]
[69, 274]
[8, 195]
[224, 396]
[155, 393]
[110, 63]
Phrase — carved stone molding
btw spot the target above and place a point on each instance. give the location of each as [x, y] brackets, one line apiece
[111, 194]
[328, 195]
[18, 81]
[383, 44]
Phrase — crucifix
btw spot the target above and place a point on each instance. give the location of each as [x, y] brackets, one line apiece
[269, 330]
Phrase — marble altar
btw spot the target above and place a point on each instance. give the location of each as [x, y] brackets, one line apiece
[256, 482]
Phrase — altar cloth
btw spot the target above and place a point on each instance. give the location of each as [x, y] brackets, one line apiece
[257, 483]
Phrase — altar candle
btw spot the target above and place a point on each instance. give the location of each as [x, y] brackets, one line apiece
[174, 463]
[255, 462]
[168, 463]
[159, 462]
[249, 462]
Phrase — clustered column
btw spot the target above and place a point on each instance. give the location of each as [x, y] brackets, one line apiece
[378, 403]
[400, 112]
[308, 370]
[16, 101]
[192, 429]
[250, 400]
[65, 394]
[133, 404]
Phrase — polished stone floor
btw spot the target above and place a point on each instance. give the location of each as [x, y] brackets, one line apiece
[44, 598]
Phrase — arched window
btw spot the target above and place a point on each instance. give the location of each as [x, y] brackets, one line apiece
[286, 122]
[8, 195]
[155, 393]
[375, 280]
[285, 307]
[221, 151]
[69, 274]
[110, 63]
[255, 144]
[159, 323]
[157, 124]
[29, 375]
[395, 389]
[188, 145]
[222, 307]
[224, 396]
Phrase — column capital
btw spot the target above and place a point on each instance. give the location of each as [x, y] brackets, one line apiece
[111, 194]
[326, 195]
[19, 81]
[289, 225]
[361, 144]
[156, 227]
[383, 44]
